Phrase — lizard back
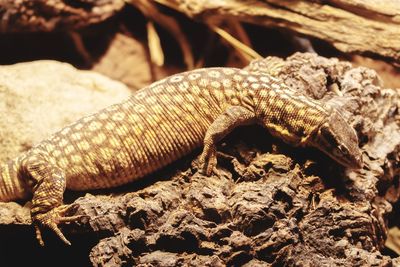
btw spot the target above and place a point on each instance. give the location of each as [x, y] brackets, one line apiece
[154, 127]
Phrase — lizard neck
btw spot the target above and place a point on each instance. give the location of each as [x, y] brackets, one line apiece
[12, 185]
[288, 115]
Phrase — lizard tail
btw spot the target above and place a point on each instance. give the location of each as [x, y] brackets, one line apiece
[11, 185]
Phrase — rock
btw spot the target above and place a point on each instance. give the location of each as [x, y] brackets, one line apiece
[38, 98]
[122, 53]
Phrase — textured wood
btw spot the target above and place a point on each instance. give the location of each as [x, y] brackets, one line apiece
[54, 15]
[367, 27]
[370, 27]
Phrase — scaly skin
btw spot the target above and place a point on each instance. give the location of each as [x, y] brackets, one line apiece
[162, 123]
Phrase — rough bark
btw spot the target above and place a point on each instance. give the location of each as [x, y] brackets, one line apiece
[369, 27]
[272, 204]
[54, 15]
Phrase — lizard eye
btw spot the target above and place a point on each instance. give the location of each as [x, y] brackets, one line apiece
[336, 152]
[343, 150]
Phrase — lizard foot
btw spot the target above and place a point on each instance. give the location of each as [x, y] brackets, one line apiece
[208, 162]
[51, 219]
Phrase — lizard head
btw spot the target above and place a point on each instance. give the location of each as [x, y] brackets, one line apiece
[339, 141]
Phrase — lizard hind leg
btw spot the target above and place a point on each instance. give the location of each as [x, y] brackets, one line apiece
[47, 203]
[233, 117]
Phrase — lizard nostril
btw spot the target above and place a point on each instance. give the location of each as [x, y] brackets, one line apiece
[359, 162]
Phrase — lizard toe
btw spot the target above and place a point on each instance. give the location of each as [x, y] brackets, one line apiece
[208, 163]
[51, 220]
[211, 166]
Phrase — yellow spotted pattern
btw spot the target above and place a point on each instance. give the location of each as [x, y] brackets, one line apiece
[154, 127]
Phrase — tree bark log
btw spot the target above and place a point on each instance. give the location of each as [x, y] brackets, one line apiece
[54, 15]
[272, 205]
[368, 27]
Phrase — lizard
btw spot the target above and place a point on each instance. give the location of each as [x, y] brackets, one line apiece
[162, 123]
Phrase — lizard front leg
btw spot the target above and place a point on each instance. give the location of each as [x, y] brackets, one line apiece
[232, 117]
[47, 209]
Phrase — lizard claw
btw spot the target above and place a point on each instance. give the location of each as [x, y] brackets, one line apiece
[208, 162]
[51, 219]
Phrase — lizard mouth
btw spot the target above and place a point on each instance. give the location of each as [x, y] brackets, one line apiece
[354, 163]
[349, 161]
[358, 162]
